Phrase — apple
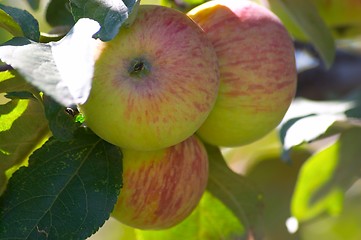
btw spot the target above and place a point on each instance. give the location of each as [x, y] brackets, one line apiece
[257, 70]
[162, 187]
[155, 83]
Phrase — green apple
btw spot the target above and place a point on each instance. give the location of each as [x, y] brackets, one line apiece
[257, 70]
[155, 83]
[161, 188]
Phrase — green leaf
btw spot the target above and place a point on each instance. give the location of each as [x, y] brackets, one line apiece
[326, 176]
[11, 81]
[22, 127]
[111, 15]
[194, 2]
[34, 4]
[306, 17]
[62, 124]
[20, 95]
[58, 13]
[276, 179]
[236, 192]
[67, 191]
[64, 69]
[308, 120]
[19, 22]
[210, 220]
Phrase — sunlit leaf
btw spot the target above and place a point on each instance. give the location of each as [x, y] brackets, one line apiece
[108, 13]
[22, 128]
[308, 120]
[67, 191]
[11, 81]
[236, 192]
[210, 220]
[326, 176]
[344, 226]
[63, 70]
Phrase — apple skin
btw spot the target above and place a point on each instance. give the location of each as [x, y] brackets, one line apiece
[257, 71]
[154, 84]
[161, 188]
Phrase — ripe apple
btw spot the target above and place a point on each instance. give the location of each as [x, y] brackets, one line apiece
[155, 83]
[161, 188]
[257, 70]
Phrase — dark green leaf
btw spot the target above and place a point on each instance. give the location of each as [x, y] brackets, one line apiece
[19, 22]
[67, 191]
[34, 4]
[62, 124]
[58, 13]
[236, 192]
[111, 15]
[306, 17]
[20, 95]
[63, 70]
[3, 183]
[327, 175]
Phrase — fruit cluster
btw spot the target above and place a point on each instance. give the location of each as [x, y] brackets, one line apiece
[224, 73]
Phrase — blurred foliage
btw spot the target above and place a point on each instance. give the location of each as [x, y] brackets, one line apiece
[307, 168]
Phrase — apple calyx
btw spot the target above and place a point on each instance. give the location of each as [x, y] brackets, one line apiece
[139, 67]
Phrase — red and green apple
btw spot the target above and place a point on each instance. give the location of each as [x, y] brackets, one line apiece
[155, 83]
[257, 70]
[161, 188]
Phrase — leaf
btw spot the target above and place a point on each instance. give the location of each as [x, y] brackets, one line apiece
[306, 17]
[236, 192]
[61, 124]
[22, 127]
[326, 176]
[74, 58]
[276, 179]
[111, 15]
[210, 220]
[67, 191]
[19, 22]
[64, 69]
[308, 120]
[58, 13]
[11, 81]
[20, 95]
[34, 4]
